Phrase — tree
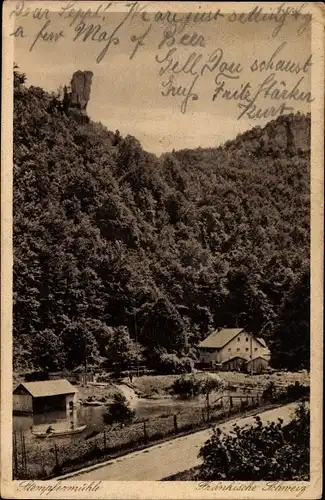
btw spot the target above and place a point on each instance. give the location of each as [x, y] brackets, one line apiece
[80, 345]
[19, 78]
[187, 386]
[193, 385]
[291, 336]
[121, 349]
[48, 351]
[208, 385]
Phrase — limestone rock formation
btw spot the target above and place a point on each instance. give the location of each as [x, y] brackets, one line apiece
[80, 89]
[76, 100]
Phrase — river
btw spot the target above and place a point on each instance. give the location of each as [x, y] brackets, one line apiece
[92, 416]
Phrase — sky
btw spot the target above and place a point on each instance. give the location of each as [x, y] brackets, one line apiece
[126, 93]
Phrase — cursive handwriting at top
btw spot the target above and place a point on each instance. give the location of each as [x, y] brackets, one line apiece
[174, 90]
[287, 66]
[96, 33]
[21, 10]
[68, 11]
[198, 63]
[279, 17]
[270, 88]
[46, 35]
[183, 55]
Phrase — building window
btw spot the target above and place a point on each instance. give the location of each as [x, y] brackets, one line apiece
[246, 339]
[246, 349]
[238, 349]
[255, 349]
[229, 349]
[238, 339]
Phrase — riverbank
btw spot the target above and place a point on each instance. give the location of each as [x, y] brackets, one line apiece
[160, 386]
[95, 392]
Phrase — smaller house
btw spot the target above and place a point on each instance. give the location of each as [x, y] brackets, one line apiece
[233, 364]
[257, 365]
[47, 395]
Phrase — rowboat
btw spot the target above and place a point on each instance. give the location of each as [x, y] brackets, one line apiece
[93, 403]
[58, 432]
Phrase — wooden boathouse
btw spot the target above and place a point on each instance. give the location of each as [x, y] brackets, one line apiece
[47, 395]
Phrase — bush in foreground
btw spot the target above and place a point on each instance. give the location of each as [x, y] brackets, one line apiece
[260, 452]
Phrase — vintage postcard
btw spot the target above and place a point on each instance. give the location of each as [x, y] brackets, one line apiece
[162, 250]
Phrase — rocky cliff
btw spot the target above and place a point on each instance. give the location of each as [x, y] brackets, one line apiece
[288, 134]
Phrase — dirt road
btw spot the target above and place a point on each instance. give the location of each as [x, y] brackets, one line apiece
[163, 460]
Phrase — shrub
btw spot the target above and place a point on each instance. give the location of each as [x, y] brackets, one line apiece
[297, 391]
[187, 364]
[191, 385]
[187, 386]
[269, 393]
[119, 411]
[260, 452]
[169, 364]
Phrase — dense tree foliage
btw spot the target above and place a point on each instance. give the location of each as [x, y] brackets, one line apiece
[268, 452]
[110, 240]
[291, 334]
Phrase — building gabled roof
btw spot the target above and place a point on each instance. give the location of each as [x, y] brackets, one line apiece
[257, 357]
[219, 339]
[48, 388]
[233, 359]
[261, 341]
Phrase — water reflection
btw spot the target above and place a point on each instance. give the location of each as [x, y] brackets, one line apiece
[92, 416]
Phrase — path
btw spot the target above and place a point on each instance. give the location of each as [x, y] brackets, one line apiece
[128, 393]
[165, 459]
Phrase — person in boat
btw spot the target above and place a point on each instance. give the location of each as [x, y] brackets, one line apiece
[72, 425]
[49, 430]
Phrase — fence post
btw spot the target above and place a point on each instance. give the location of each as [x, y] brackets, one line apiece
[145, 434]
[230, 404]
[208, 406]
[14, 450]
[25, 455]
[22, 451]
[175, 424]
[56, 457]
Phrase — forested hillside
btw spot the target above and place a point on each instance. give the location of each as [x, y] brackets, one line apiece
[113, 244]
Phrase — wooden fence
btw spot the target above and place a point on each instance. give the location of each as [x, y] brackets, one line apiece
[31, 461]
